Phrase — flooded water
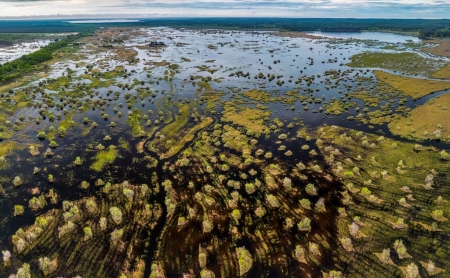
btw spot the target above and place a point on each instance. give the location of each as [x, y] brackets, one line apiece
[103, 21]
[9, 53]
[377, 36]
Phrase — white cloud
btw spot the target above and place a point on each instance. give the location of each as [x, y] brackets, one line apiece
[281, 8]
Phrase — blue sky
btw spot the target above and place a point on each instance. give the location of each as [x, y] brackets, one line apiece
[257, 8]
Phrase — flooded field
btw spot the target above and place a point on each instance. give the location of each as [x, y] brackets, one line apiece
[166, 152]
[379, 36]
[15, 51]
[14, 46]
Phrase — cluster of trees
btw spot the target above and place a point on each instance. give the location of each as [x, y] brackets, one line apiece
[16, 68]
[30, 27]
[441, 33]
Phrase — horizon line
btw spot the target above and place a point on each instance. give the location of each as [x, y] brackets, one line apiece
[156, 16]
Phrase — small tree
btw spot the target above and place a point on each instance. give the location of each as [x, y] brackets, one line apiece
[116, 215]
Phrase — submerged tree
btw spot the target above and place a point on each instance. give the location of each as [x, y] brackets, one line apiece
[386, 255]
[431, 268]
[103, 223]
[17, 181]
[412, 271]
[6, 258]
[116, 235]
[305, 203]
[311, 189]
[444, 155]
[335, 274]
[129, 193]
[304, 225]
[47, 266]
[23, 272]
[87, 233]
[116, 215]
[354, 229]
[78, 161]
[18, 210]
[314, 249]
[66, 228]
[244, 259]
[91, 205]
[400, 248]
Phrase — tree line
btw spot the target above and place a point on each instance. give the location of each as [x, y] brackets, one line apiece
[16, 68]
[426, 27]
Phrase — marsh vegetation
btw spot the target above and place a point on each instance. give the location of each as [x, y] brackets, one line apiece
[125, 159]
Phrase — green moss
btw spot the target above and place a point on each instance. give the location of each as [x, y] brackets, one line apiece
[97, 82]
[244, 259]
[337, 107]
[406, 62]
[134, 121]
[104, 157]
[62, 81]
[8, 147]
[414, 87]
[124, 144]
[181, 120]
[18, 210]
[118, 71]
[427, 120]
[251, 119]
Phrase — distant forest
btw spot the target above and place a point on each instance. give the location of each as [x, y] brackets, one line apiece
[425, 27]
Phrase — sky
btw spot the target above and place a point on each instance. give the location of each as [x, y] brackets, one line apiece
[243, 8]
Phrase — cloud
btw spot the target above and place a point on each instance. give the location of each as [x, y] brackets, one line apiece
[281, 8]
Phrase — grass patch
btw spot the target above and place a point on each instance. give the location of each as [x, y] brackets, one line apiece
[67, 122]
[134, 121]
[368, 98]
[337, 107]
[425, 121]
[234, 139]
[181, 120]
[171, 130]
[383, 170]
[413, 87]
[257, 95]
[118, 71]
[126, 54]
[96, 82]
[250, 118]
[103, 158]
[442, 73]
[124, 144]
[7, 147]
[7, 108]
[17, 83]
[62, 81]
[187, 137]
[442, 49]
[406, 62]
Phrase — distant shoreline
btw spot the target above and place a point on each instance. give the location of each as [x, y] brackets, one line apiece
[95, 21]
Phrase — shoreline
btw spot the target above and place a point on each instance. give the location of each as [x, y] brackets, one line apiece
[299, 34]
